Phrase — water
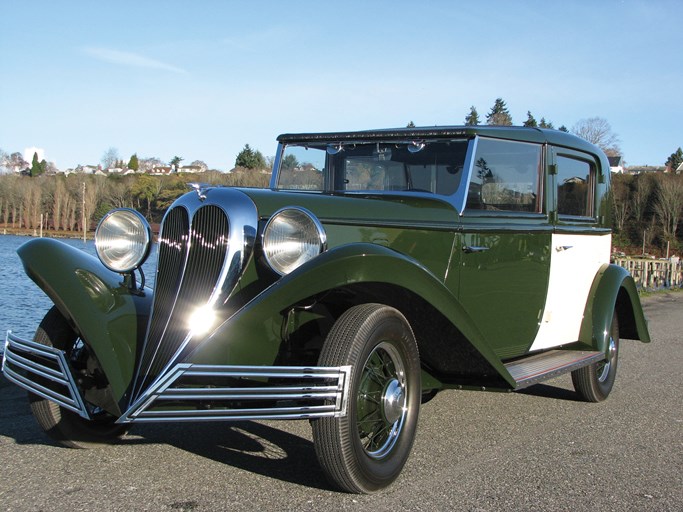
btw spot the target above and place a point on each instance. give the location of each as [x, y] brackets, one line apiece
[22, 303]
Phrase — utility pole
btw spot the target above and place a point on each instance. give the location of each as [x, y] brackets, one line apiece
[83, 213]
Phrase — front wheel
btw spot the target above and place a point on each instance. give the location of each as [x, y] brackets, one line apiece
[366, 450]
[594, 382]
[63, 425]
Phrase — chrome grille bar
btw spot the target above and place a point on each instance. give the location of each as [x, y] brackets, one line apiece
[26, 364]
[192, 254]
[311, 392]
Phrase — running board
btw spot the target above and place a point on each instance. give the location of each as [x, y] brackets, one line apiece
[538, 367]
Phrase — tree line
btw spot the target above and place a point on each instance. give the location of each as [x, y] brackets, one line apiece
[65, 203]
[646, 212]
[646, 208]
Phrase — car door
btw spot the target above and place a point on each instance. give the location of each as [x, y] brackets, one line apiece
[505, 252]
[580, 245]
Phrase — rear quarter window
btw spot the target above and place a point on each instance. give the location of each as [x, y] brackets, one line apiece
[575, 187]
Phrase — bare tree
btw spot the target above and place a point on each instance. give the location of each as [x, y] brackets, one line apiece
[598, 131]
[93, 192]
[669, 204]
[118, 194]
[202, 165]
[9, 197]
[4, 162]
[146, 164]
[60, 199]
[621, 200]
[650, 233]
[31, 202]
[110, 157]
[644, 184]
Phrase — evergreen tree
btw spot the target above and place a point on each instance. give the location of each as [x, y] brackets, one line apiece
[472, 119]
[675, 160]
[36, 168]
[545, 124]
[563, 128]
[530, 120]
[410, 125]
[175, 162]
[250, 159]
[134, 163]
[499, 115]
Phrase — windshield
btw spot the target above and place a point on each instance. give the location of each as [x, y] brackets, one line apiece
[434, 167]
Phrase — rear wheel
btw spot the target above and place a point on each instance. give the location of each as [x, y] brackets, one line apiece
[63, 425]
[366, 450]
[594, 382]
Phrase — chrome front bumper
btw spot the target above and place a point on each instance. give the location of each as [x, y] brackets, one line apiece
[44, 371]
[191, 392]
[301, 392]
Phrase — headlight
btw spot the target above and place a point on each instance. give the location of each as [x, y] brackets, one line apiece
[291, 237]
[122, 240]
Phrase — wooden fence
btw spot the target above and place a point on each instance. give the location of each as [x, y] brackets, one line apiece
[652, 274]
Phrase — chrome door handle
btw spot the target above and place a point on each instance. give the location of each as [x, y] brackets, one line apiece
[469, 249]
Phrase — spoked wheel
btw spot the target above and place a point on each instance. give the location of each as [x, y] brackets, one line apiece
[366, 450]
[594, 382]
[63, 425]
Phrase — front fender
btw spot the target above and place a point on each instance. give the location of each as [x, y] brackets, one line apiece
[613, 289]
[253, 334]
[107, 316]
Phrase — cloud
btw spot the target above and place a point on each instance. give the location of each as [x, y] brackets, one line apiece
[130, 59]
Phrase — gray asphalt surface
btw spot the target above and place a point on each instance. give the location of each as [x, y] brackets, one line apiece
[539, 449]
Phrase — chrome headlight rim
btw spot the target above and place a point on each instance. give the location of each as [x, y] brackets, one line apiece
[317, 244]
[134, 234]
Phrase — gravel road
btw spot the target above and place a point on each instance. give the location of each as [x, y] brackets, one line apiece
[539, 449]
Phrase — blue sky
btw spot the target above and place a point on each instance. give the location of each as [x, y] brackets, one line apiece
[201, 79]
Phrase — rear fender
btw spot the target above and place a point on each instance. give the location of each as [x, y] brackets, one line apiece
[613, 290]
[108, 317]
[252, 335]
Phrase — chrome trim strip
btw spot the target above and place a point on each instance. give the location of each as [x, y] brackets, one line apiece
[13, 360]
[335, 391]
[281, 413]
[459, 199]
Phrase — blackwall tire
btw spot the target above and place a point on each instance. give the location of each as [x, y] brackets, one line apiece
[63, 425]
[365, 451]
[593, 383]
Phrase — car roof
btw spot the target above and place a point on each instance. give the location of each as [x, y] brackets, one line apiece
[519, 133]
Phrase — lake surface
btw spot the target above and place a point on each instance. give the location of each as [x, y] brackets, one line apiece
[22, 303]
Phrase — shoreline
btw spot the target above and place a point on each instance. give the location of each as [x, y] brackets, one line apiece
[90, 235]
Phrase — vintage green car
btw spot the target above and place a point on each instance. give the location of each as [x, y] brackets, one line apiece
[379, 268]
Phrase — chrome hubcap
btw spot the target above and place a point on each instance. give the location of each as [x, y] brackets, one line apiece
[603, 371]
[381, 401]
[393, 401]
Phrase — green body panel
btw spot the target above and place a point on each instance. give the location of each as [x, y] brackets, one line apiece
[254, 333]
[503, 288]
[419, 227]
[106, 315]
[613, 290]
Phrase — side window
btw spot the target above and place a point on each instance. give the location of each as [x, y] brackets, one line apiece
[301, 168]
[575, 185]
[505, 177]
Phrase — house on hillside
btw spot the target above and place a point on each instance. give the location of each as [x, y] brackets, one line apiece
[161, 170]
[644, 169]
[192, 169]
[616, 164]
